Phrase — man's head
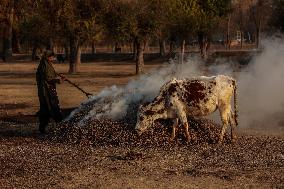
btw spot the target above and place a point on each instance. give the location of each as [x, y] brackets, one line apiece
[50, 56]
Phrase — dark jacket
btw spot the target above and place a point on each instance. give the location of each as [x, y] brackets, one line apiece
[46, 83]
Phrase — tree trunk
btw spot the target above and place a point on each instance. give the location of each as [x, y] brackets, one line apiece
[8, 34]
[50, 45]
[241, 25]
[93, 48]
[34, 53]
[203, 45]
[117, 48]
[16, 47]
[182, 49]
[78, 55]
[241, 40]
[7, 46]
[75, 55]
[140, 58]
[146, 46]
[135, 49]
[162, 44]
[258, 33]
[172, 46]
[76, 59]
[66, 52]
[228, 42]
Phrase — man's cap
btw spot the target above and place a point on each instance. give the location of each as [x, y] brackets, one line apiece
[49, 53]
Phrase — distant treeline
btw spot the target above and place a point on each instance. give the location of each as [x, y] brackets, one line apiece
[70, 25]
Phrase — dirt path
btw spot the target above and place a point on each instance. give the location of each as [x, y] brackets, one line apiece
[28, 160]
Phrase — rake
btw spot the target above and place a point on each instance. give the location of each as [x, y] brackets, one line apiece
[75, 85]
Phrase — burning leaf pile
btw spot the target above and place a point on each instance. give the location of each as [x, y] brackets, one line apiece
[83, 129]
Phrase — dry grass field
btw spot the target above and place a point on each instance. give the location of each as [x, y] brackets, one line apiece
[18, 92]
[29, 160]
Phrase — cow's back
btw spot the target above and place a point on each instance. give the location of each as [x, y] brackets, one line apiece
[199, 96]
[225, 87]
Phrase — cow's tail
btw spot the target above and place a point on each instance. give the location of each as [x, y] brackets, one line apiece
[235, 102]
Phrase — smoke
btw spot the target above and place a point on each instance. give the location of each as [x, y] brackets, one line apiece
[113, 102]
[260, 87]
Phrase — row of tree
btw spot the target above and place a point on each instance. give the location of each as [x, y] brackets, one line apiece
[72, 23]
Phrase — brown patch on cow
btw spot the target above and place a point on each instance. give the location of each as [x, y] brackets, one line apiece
[161, 111]
[172, 88]
[146, 104]
[195, 105]
[150, 112]
[213, 82]
[205, 100]
[194, 92]
[158, 100]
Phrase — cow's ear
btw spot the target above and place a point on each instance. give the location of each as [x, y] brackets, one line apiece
[140, 102]
[141, 107]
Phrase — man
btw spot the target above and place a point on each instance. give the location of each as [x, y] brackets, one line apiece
[47, 79]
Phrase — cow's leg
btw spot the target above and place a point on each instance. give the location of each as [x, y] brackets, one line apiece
[233, 126]
[186, 130]
[183, 118]
[179, 110]
[175, 125]
[225, 114]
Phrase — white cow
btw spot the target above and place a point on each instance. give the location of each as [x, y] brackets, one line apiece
[191, 97]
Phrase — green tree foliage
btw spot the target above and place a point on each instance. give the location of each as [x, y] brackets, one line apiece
[260, 12]
[277, 15]
[132, 20]
[6, 20]
[181, 21]
[12, 15]
[74, 23]
[66, 22]
[78, 23]
[209, 13]
[195, 18]
[119, 20]
[148, 22]
[32, 35]
[39, 24]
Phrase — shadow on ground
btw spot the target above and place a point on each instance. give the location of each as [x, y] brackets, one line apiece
[23, 125]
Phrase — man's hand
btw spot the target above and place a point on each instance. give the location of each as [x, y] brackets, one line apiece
[63, 78]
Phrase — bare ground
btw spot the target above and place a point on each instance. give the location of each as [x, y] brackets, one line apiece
[28, 160]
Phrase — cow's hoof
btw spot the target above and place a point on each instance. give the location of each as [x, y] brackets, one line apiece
[234, 139]
[220, 142]
[171, 140]
[188, 139]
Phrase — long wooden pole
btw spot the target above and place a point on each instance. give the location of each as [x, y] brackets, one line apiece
[74, 84]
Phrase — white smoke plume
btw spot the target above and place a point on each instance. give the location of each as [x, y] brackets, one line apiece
[114, 101]
[260, 86]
